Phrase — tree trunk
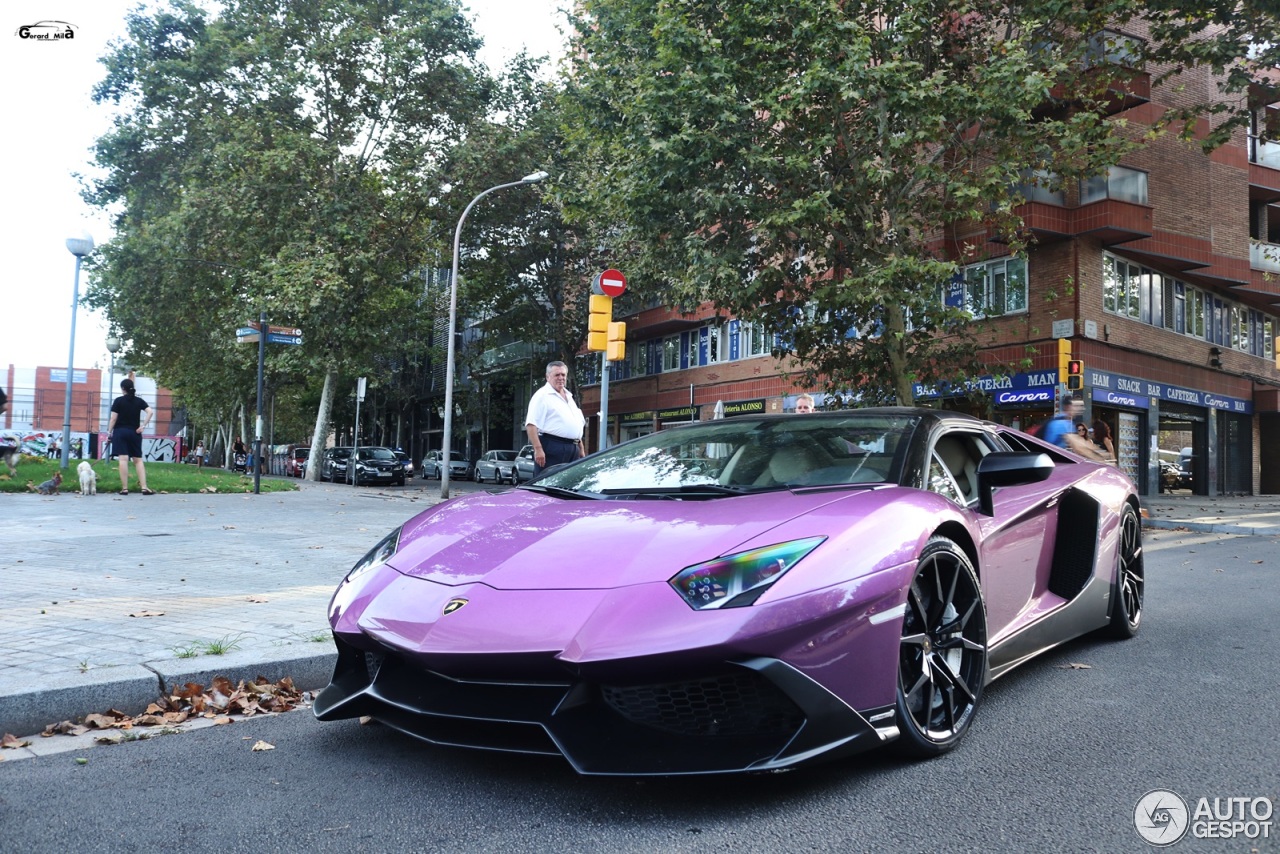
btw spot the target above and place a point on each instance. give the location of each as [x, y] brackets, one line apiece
[322, 425]
[895, 337]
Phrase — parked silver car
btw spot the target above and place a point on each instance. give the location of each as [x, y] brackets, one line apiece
[522, 472]
[459, 468]
[496, 466]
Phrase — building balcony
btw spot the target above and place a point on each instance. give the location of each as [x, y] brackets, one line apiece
[509, 354]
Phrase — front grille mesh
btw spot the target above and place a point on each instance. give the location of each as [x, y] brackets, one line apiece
[731, 705]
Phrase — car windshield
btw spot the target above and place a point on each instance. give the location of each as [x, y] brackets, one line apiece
[504, 456]
[376, 454]
[735, 455]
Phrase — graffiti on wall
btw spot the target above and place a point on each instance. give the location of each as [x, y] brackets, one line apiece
[155, 449]
[42, 444]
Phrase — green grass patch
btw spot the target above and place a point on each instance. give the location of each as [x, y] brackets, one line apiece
[161, 477]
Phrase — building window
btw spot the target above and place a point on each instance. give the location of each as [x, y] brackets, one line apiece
[1035, 187]
[1158, 300]
[714, 340]
[637, 358]
[1112, 48]
[671, 353]
[1120, 183]
[992, 289]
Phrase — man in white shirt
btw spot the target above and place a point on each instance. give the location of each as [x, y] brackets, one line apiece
[554, 422]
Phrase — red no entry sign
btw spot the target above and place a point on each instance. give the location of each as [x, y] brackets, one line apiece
[611, 283]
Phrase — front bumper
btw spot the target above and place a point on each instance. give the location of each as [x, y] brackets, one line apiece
[754, 715]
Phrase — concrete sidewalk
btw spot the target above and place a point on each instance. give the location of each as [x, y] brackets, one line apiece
[109, 601]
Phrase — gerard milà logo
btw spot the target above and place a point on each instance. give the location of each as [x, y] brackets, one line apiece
[47, 31]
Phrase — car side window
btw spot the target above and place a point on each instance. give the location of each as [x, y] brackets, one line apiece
[957, 454]
[941, 481]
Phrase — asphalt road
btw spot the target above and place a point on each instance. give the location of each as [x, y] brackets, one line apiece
[1057, 761]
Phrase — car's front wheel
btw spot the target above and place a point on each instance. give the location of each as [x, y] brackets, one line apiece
[942, 659]
[1130, 585]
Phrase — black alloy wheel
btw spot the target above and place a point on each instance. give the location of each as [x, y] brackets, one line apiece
[1130, 585]
[942, 660]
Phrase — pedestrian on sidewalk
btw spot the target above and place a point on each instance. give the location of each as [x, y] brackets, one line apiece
[130, 415]
[554, 423]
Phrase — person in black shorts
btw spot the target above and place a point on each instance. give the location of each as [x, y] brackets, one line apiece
[130, 415]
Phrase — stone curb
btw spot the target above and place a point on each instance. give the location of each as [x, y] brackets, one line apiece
[1210, 528]
[131, 688]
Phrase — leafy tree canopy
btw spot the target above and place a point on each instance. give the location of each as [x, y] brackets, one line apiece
[800, 167]
[278, 155]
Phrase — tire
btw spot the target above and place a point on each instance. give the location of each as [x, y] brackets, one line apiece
[1129, 590]
[942, 659]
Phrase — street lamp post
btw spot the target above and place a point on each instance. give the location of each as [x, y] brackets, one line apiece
[446, 443]
[79, 247]
[113, 347]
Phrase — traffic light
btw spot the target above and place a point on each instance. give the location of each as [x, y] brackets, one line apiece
[601, 315]
[1075, 374]
[1064, 359]
[616, 346]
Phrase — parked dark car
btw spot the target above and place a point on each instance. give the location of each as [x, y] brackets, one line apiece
[295, 465]
[333, 465]
[405, 462]
[522, 472]
[459, 468]
[496, 466]
[376, 465]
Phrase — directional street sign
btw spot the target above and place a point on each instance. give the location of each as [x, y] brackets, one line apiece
[277, 338]
[275, 334]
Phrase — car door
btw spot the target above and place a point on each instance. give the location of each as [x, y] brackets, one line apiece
[1017, 539]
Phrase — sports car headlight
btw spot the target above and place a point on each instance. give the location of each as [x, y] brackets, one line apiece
[378, 555]
[736, 580]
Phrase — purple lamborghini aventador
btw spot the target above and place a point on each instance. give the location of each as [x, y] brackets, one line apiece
[745, 594]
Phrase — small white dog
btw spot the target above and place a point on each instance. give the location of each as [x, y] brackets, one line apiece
[88, 478]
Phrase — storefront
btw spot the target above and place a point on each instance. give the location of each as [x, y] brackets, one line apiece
[633, 425]
[1211, 434]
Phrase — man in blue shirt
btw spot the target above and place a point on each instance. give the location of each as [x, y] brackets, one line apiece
[1060, 429]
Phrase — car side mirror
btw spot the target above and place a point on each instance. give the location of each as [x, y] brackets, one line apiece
[1003, 468]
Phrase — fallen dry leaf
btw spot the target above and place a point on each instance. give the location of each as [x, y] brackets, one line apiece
[223, 720]
[261, 745]
[1076, 665]
[1255, 561]
[257, 599]
[228, 527]
[221, 700]
[148, 614]
[12, 741]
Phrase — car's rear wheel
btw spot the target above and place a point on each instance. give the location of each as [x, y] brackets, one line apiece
[1130, 585]
[942, 660]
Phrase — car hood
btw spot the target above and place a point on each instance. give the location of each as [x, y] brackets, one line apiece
[523, 540]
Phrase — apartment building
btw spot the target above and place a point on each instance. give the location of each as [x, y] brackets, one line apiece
[1164, 276]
